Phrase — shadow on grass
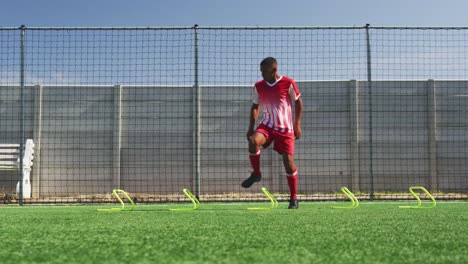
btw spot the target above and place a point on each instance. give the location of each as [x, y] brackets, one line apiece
[187, 209]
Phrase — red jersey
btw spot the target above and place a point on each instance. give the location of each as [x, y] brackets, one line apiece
[275, 102]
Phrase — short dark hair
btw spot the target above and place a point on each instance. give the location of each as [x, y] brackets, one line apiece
[269, 61]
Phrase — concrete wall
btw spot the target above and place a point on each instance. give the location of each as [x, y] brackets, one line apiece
[91, 139]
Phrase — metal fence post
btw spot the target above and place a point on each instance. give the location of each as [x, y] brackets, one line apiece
[354, 133]
[196, 118]
[433, 135]
[117, 135]
[369, 87]
[22, 137]
[38, 98]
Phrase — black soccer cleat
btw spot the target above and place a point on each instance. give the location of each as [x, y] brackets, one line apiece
[293, 204]
[251, 180]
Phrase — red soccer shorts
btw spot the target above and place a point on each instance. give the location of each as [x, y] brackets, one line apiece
[284, 142]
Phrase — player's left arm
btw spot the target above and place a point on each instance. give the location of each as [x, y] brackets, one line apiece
[297, 117]
[296, 97]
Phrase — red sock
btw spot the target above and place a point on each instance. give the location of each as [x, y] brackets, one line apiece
[292, 183]
[255, 162]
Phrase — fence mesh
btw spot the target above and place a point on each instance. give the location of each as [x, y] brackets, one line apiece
[156, 110]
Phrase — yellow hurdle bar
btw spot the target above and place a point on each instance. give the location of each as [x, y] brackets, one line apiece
[350, 195]
[419, 206]
[122, 204]
[274, 202]
[195, 202]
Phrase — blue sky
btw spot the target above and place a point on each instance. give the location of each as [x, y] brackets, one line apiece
[233, 13]
[166, 57]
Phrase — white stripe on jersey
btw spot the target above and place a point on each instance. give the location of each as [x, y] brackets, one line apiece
[280, 121]
[275, 115]
[271, 116]
[292, 94]
[255, 99]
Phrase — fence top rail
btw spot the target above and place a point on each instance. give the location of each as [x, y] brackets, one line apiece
[99, 85]
[328, 27]
[242, 28]
[208, 85]
[185, 28]
[419, 28]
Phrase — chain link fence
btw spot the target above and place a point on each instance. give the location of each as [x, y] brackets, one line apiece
[154, 110]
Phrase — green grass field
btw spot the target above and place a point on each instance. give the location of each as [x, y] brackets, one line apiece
[228, 233]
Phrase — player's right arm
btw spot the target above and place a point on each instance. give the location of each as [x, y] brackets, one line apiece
[254, 110]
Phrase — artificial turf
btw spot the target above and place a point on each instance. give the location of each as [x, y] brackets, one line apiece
[377, 232]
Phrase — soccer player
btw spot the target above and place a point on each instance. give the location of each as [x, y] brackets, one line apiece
[275, 95]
